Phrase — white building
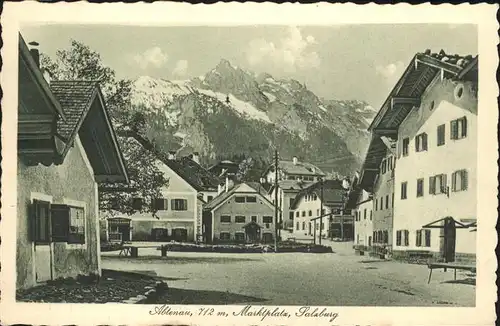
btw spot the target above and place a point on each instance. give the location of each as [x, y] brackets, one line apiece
[432, 112]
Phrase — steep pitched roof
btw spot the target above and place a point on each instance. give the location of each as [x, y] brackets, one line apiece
[259, 189]
[190, 171]
[334, 194]
[75, 98]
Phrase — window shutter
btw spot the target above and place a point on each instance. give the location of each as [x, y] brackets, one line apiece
[432, 184]
[427, 238]
[444, 182]
[172, 204]
[32, 221]
[465, 181]
[464, 127]
[60, 215]
[407, 238]
[454, 181]
[424, 141]
[417, 143]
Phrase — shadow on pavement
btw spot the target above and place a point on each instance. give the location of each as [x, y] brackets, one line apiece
[468, 281]
[183, 296]
[182, 260]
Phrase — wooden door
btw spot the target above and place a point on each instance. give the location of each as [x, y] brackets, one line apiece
[42, 239]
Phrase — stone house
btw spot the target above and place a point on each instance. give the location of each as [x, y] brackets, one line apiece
[240, 214]
[293, 176]
[66, 146]
[178, 213]
[322, 202]
[431, 117]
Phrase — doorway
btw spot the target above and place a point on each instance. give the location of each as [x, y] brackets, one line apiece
[450, 232]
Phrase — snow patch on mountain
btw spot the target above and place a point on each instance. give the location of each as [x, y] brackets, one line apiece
[270, 96]
[243, 108]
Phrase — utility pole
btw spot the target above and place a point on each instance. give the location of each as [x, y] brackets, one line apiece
[321, 211]
[276, 200]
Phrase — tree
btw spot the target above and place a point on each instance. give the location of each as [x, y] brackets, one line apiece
[79, 62]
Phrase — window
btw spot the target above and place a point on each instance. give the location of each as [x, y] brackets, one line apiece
[317, 212]
[375, 240]
[364, 214]
[303, 213]
[421, 142]
[179, 204]
[297, 214]
[407, 239]
[371, 214]
[404, 185]
[239, 199]
[386, 236]
[392, 200]
[315, 197]
[267, 219]
[406, 145]
[160, 204]
[209, 198]
[418, 238]
[380, 236]
[137, 204]
[420, 187]
[427, 238]
[441, 135]
[458, 128]
[239, 219]
[381, 203]
[386, 201]
[389, 163]
[40, 221]
[310, 213]
[376, 203]
[303, 225]
[68, 224]
[323, 211]
[225, 236]
[76, 225]
[290, 202]
[290, 215]
[239, 236]
[298, 226]
[254, 219]
[398, 238]
[437, 184]
[251, 199]
[459, 180]
[383, 166]
[225, 219]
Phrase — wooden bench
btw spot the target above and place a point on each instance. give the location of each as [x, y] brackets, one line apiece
[451, 266]
[133, 250]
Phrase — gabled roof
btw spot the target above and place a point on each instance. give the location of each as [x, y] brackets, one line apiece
[190, 171]
[420, 72]
[301, 168]
[258, 188]
[75, 98]
[27, 58]
[333, 194]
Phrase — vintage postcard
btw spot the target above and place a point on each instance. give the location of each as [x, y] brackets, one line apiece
[249, 164]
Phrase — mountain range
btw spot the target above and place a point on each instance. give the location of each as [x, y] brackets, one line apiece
[230, 112]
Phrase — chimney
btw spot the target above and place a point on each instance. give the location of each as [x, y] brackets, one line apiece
[35, 53]
[196, 157]
[171, 155]
[295, 160]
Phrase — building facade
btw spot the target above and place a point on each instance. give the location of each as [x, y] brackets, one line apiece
[241, 214]
[66, 146]
[363, 217]
[432, 116]
[177, 215]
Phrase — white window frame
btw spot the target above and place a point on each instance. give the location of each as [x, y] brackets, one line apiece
[83, 205]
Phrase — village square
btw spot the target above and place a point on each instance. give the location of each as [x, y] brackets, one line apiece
[238, 188]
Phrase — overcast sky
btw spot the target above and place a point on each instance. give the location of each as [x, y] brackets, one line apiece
[339, 62]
